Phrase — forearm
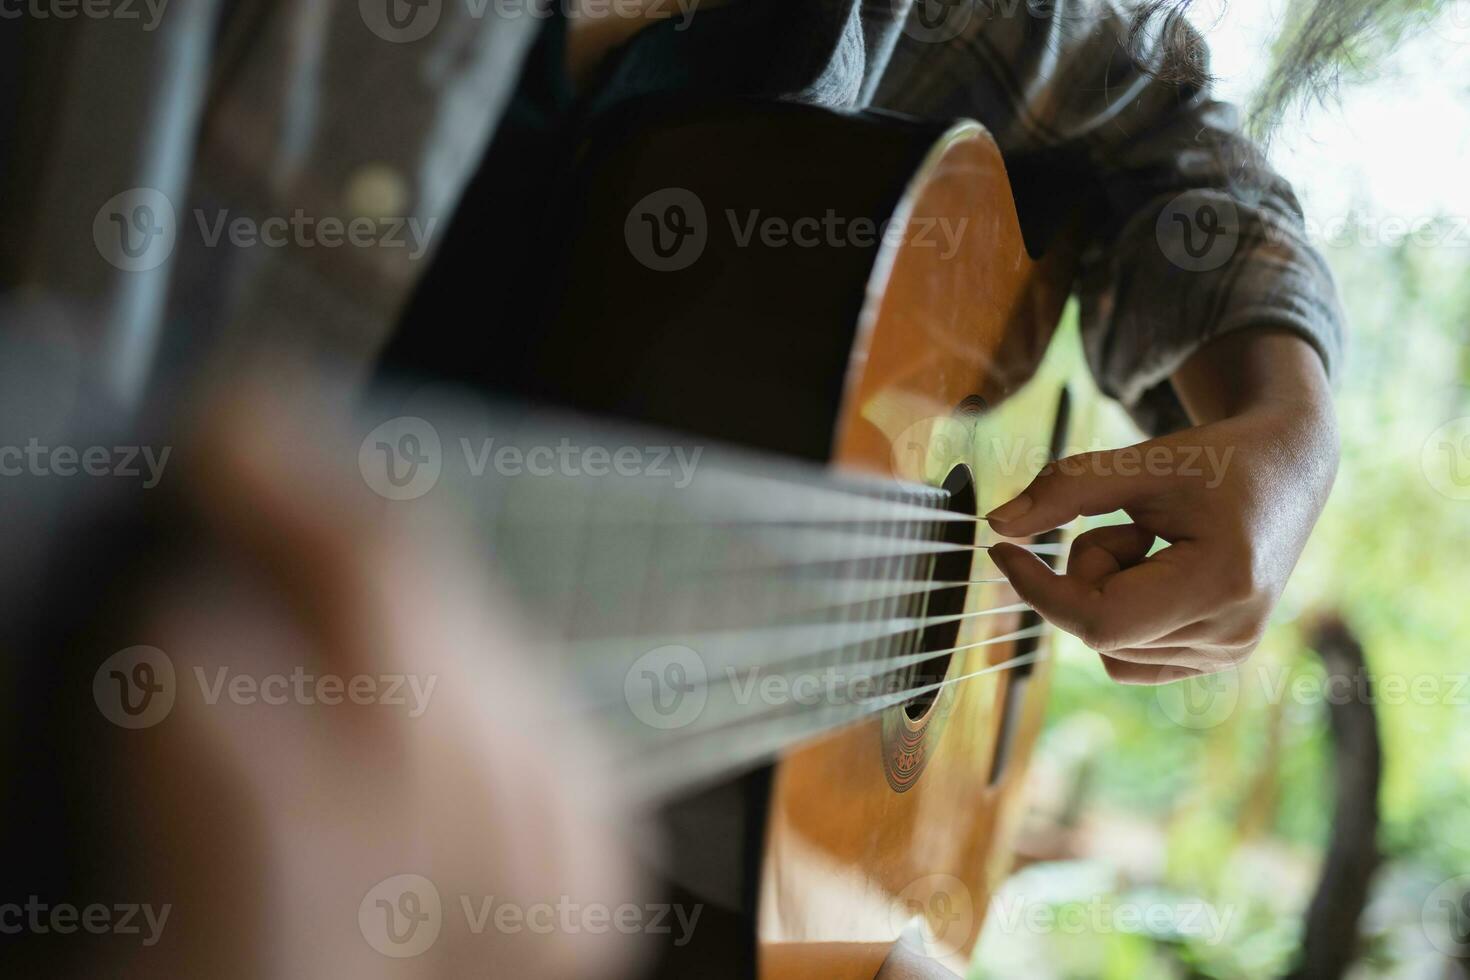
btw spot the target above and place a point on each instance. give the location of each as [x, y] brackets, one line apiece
[1263, 368]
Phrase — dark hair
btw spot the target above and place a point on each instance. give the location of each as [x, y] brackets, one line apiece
[1321, 42]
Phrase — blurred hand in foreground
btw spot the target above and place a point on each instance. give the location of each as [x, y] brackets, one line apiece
[303, 838]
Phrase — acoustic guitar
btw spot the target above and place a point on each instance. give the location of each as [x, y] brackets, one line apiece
[797, 641]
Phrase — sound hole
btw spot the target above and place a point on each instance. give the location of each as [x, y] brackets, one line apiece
[949, 567]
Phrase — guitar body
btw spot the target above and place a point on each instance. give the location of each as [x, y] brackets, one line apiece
[901, 822]
[903, 355]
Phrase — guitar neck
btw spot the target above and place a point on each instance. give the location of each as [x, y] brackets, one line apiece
[708, 606]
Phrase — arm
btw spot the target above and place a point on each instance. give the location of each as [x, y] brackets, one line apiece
[1189, 234]
[1202, 305]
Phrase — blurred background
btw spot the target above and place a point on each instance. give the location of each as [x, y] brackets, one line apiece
[1181, 831]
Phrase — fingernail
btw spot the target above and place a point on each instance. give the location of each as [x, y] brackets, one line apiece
[1009, 512]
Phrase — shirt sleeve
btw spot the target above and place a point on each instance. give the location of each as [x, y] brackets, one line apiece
[1190, 234]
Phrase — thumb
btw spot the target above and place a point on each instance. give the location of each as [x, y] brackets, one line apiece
[1084, 484]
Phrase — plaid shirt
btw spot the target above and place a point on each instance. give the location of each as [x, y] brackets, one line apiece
[379, 110]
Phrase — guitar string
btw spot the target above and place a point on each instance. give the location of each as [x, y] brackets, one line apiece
[862, 509]
[730, 495]
[914, 640]
[869, 706]
[909, 693]
[858, 517]
[890, 589]
[875, 630]
[929, 521]
[687, 573]
[938, 547]
[763, 521]
[836, 593]
[917, 638]
[910, 589]
[882, 667]
[847, 625]
[844, 628]
[879, 647]
[731, 747]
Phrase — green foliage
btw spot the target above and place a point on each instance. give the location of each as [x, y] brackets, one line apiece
[1242, 808]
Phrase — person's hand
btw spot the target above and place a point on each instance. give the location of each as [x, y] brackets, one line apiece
[317, 833]
[1234, 499]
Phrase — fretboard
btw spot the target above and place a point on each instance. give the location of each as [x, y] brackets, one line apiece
[709, 607]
